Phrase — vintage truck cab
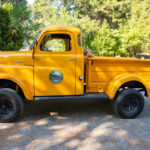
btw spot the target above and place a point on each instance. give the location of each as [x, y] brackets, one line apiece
[53, 69]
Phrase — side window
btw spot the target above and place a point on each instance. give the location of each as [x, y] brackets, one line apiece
[56, 43]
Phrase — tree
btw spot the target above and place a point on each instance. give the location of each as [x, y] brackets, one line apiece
[106, 41]
[114, 11]
[0, 3]
[124, 32]
[10, 36]
[20, 15]
[110, 27]
[51, 13]
[135, 34]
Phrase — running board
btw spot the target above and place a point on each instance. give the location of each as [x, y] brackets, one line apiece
[86, 96]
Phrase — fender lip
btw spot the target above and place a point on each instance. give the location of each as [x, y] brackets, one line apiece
[122, 78]
[26, 92]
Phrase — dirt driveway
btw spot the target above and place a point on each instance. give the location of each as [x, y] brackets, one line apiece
[75, 126]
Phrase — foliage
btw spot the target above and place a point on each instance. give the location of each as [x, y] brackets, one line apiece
[110, 27]
[114, 11]
[18, 10]
[10, 36]
[106, 41]
[8, 7]
[135, 34]
[20, 17]
[50, 14]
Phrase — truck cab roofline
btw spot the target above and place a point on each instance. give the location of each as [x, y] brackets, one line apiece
[62, 28]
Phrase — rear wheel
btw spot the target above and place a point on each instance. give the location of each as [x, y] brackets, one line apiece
[129, 103]
[11, 105]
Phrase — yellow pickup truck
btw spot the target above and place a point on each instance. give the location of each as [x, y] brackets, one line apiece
[53, 69]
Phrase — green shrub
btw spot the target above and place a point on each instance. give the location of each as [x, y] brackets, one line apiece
[10, 35]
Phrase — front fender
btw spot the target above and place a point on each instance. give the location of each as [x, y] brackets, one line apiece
[26, 92]
[121, 79]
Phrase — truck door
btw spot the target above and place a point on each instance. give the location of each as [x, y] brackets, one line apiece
[54, 65]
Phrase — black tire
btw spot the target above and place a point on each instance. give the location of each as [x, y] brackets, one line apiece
[129, 104]
[11, 105]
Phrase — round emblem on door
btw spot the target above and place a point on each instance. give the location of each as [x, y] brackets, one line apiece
[56, 76]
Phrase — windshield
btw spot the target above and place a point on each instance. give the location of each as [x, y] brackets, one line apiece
[36, 38]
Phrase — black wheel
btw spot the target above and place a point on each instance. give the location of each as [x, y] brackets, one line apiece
[11, 105]
[129, 104]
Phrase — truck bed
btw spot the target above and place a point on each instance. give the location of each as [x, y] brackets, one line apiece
[101, 70]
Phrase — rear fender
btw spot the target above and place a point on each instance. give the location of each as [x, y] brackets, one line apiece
[121, 79]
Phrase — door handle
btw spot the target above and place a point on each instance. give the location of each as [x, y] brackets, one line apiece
[19, 61]
[71, 58]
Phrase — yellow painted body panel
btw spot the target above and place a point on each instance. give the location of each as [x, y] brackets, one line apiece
[13, 67]
[68, 62]
[119, 80]
[30, 70]
[106, 74]
[31, 74]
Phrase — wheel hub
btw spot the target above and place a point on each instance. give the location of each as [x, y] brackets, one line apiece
[6, 107]
[131, 104]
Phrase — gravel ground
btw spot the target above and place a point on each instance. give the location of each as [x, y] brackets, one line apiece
[75, 126]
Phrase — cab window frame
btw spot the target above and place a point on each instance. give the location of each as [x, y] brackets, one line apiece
[55, 51]
[80, 40]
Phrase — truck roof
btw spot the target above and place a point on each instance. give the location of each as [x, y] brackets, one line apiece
[62, 28]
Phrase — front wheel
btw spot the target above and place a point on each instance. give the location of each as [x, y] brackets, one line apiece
[129, 104]
[11, 105]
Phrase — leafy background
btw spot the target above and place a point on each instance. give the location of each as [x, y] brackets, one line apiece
[110, 27]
